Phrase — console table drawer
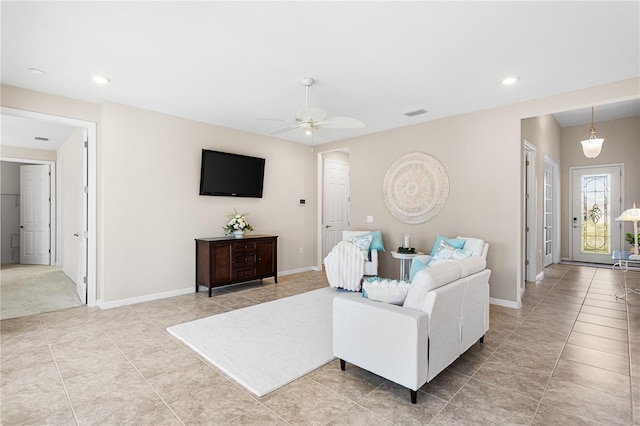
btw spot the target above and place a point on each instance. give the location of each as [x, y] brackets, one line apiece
[245, 274]
[241, 260]
[244, 246]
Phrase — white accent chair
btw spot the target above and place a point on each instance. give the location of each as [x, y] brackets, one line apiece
[370, 265]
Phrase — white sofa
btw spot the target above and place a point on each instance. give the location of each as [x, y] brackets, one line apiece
[445, 312]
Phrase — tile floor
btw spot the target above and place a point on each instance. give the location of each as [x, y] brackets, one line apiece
[570, 355]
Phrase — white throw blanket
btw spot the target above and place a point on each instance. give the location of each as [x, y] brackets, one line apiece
[344, 266]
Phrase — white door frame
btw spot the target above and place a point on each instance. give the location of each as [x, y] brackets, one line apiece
[555, 188]
[622, 203]
[91, 130]
[320, 157]
[530, 219]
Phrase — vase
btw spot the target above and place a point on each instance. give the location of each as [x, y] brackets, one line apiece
[238, 234]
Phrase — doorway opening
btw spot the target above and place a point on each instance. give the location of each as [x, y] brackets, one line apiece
[82, 235]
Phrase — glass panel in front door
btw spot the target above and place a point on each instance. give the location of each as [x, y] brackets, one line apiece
[596, 220]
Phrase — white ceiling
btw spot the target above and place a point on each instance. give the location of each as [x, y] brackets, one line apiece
[229, 63]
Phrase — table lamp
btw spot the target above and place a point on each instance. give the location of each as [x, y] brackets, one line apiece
[632, 215]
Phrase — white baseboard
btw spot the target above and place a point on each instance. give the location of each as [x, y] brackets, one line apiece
[146, 298]
[181, 292]
[299, 270]
[505, 303]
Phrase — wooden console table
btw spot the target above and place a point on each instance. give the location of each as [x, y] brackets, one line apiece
[228, 260]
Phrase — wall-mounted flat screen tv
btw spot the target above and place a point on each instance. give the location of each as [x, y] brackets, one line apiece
[231, 175]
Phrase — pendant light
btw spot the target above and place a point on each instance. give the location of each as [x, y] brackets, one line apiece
[591, 147]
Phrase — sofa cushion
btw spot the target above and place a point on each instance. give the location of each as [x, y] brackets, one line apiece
[455, 242]
[363, 242]
[476, 245]
[471, 265]
[384, 290]
[376, 242]
[429, 279]
[417, 265]
[445, 251]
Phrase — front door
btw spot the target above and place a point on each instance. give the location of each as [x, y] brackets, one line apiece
[595, 204]
[35, 215]
[335, 218]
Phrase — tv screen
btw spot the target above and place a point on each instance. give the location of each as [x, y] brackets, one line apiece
[231, 175]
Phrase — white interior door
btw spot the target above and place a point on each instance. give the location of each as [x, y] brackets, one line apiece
[335, 217]
[596, 202]
[35, 215]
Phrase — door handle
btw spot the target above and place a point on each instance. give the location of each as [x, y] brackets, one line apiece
[77, 234]
[328, 226]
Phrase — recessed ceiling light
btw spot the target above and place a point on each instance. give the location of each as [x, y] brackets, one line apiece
[507, 81]
[36, 71]
[98, 79]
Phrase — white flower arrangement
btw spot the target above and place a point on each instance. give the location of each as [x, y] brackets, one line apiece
[237, 222]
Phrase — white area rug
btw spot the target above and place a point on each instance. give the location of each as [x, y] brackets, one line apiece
[266, 346]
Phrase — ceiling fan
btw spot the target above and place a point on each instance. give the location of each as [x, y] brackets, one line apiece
[312, 120]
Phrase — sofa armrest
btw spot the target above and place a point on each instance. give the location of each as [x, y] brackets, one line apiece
[386, 339]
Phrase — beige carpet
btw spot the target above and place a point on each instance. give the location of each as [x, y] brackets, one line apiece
[34, 289]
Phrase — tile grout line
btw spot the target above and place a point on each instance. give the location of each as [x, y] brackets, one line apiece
[553, 370]
[64, 386]
[143, 378]
[513, 332]
[566, 342]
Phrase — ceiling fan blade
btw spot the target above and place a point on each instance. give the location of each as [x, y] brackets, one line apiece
[275, 119]
[340, 123]
[310, 114]
[285, 129]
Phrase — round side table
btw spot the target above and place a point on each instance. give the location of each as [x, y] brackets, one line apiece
[404, 259]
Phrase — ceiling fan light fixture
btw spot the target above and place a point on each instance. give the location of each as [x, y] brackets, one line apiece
[591, 147]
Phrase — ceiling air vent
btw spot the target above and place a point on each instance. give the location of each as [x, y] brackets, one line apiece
[41, 138]
[415, 112]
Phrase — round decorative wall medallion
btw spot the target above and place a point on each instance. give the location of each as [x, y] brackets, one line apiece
[415, 187]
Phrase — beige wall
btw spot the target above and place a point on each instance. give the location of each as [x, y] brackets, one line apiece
[30, 153]
[152, 210]
[149, 211]
[545, 134]
[621, 145]
[482, 153]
